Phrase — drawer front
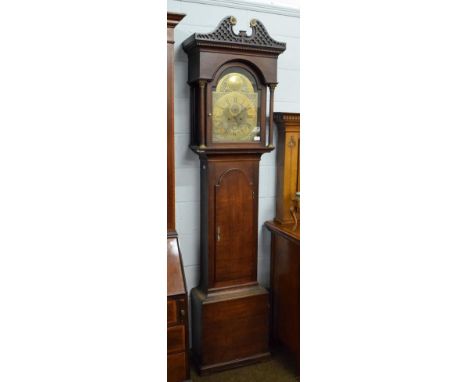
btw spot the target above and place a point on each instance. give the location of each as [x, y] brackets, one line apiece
[171, 312]
[176, 365]
[176, 339]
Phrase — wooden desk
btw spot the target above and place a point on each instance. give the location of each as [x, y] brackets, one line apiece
[284, 283]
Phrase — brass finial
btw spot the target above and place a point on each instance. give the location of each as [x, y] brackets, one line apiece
[253, 23]
[233, 20]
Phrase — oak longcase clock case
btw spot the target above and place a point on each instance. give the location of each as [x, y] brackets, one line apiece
[231, 77]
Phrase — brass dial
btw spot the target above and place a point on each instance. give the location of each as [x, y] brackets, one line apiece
[235, 110]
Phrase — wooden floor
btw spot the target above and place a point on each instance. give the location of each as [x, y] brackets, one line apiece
[279, 368]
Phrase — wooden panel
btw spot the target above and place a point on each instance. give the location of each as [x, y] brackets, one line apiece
[286, 292]
[285, 286]
[287, 164]
[229, 188]
[175, 339]
[171, 312]
[235, 230]
[176, 367]
[172, 20]
[235, 329]
[175, 277]
[170, 139]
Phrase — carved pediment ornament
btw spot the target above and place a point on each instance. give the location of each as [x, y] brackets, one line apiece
[224, 34]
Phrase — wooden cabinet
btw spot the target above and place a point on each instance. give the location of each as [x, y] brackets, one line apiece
[287, 165]
[284, 284]
[177, 325]
[285, 238]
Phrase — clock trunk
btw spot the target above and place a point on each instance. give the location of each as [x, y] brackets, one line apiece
[229, 188]
[229, 309]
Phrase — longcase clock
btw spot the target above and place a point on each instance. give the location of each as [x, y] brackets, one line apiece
[229, 75]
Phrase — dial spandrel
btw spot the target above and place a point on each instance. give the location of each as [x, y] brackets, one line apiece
[235, 110]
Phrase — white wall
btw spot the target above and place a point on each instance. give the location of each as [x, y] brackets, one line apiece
[203, 16]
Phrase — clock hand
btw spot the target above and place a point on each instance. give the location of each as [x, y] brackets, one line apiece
[241, 113]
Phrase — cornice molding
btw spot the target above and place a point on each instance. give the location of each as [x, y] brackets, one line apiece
[293, 118]
[173, 18]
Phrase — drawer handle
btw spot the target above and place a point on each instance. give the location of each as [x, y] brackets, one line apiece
[182, 313]
[218, 233]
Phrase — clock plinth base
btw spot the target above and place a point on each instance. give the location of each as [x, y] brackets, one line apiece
[230, 328]
[210, 369]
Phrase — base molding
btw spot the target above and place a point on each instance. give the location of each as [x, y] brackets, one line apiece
[205, 370]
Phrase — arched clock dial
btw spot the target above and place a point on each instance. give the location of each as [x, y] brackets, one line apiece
[235, 110]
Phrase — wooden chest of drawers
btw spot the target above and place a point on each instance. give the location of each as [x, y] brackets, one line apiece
[177, 339]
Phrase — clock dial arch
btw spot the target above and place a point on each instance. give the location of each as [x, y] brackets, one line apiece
[236, 106]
